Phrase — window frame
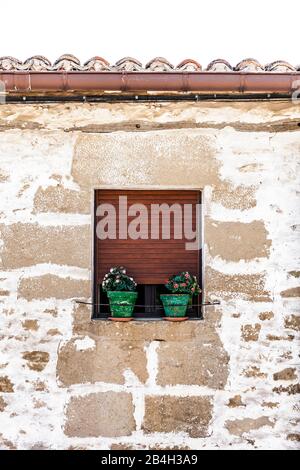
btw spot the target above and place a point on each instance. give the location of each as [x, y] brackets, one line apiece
[198, 309]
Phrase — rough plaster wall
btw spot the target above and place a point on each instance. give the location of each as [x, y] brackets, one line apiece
[228, 382]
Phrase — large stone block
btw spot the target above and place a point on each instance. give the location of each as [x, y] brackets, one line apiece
[108, 414]
[144, 330]
[168, 414]
[292, 322]
[263, 316]
[30, 244]
[239, 241]
[31, 325]
[164, 157]
[60, 199]
[290, 389]
[292, 292]
[104, 360]
[245, 286]
[48, 285]
[201, 362]
[234, 197]
[6, 385]
[36, 360]
[242, 426]
[290, 373]
[250, 332]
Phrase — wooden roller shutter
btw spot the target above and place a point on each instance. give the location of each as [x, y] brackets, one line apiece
[148, 261]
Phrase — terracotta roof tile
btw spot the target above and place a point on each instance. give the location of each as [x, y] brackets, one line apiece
[69, 62]
[219, 65]
[189, 65]
[280, 66]
[249, 65]
[159, 64]
[8, 63]
[96, 64]
[129, 64]
[37, 63]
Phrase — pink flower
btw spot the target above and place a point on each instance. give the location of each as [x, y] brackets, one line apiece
[183, 284]
[187, 275]
[193, 289]
[175, 286]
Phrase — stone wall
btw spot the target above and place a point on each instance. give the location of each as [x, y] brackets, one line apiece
[230, 381]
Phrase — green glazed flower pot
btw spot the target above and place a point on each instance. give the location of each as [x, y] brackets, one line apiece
[175, 305]
[121, 303]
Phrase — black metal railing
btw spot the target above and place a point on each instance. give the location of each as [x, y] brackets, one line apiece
[191, 309]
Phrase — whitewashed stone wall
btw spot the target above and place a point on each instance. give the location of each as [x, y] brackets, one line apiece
[230, 381]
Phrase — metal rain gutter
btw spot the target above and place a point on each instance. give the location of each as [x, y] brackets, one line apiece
[99, 83]
[114, 85]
